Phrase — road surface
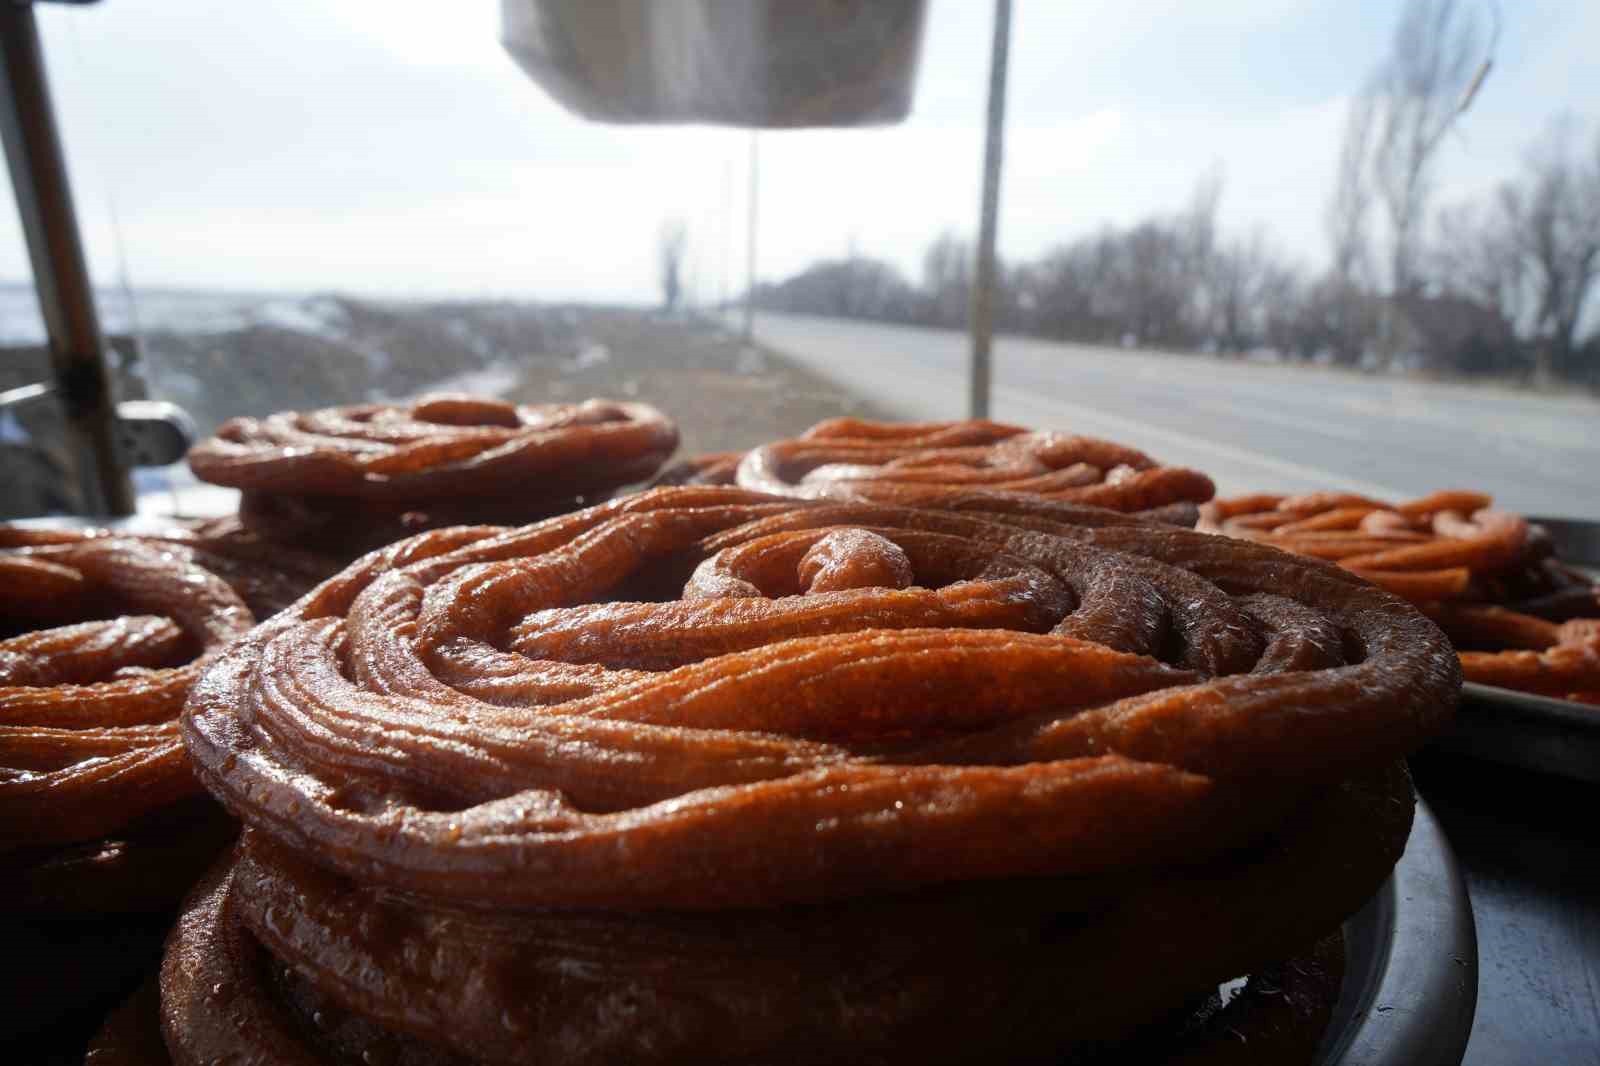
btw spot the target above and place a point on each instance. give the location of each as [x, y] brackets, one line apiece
[1252, 427]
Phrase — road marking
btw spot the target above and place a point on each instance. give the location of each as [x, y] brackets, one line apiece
[863, 377]
[1137, 433]
[1532, 451]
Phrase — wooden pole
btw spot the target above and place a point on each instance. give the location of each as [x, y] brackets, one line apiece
[983, 283]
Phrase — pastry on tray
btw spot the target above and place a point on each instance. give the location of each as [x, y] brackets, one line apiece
[101, 819]
[1521, 618]
[268, 576]
[923, 463]
[348, 479]
[708, 774]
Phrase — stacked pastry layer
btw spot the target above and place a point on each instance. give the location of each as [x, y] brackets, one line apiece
[797, 780]
[102, 825]
[106, 636]
[919, 463]
[348, 479]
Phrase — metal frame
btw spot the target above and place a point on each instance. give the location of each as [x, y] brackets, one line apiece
[60, 273]
[983, 281]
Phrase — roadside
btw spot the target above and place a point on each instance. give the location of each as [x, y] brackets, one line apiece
[1252, 427]
[725, 395]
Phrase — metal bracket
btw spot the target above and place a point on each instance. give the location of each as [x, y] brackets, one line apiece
[144, 432]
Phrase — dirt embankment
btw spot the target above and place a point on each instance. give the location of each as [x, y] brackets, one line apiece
[725, 395]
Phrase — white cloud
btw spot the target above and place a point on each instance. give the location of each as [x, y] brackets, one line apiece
[390, 145]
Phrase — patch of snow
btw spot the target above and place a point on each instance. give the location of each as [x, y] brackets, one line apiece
[496, 379]
[593, 355]
[318, 316]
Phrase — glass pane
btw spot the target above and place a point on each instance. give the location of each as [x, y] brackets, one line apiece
[325, 202]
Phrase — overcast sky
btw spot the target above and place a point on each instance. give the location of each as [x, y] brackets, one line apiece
[390, 146]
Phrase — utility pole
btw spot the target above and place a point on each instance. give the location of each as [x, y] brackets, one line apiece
[982, 309]
[750, 252]
[726, 226]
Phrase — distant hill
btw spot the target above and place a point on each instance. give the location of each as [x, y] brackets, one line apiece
[221, 354]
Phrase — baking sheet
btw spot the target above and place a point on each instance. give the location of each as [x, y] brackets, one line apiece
[1521, 729]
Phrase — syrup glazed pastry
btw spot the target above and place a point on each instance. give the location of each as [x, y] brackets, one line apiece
[1517, 615]
[706, 769]
[722, 468]
[267, 576]
[355, 478]
[102, 824]
[104, 638]
[901, 462]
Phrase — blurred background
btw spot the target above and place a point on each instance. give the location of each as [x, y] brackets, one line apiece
[1296, 244]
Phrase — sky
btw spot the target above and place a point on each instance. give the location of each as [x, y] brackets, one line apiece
[390, 147]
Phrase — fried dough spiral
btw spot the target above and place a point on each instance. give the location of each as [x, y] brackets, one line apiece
[104, 638]
[899, 462]
[1015, 969]
[1423, 550]
[361, 476]
[267, 576]
[103, 827]
[482, 759]
[1484, 575]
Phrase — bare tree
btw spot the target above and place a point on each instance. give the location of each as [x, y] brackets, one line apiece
[1352, 192]
[1061, 288]
[1196, 231]
[1346, 220]
[1283, 298]
[1151, 285]
[1554, 218]
[671, 245]
[1476, 255]
[947, 275]
[1242, 274]
[1434, 67]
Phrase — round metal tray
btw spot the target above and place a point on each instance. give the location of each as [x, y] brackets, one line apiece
[1411, 964]
[1538, 733]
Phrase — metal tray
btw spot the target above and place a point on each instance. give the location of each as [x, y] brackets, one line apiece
[1535, 732]
[1411, 964]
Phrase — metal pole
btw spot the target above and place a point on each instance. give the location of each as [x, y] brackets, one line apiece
[66, 301]
[982, 311]
[726, 226]
[750, 251]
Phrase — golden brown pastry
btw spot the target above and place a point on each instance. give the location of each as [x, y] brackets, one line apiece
[347, 479]
[903, 463]
[102, 823]
[791, 780]
[1485, 576]
[106, 637]
[266, 575]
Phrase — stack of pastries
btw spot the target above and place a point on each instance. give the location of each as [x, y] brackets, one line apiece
[911, 462]
[1521, 618]
[916, 744]
[350, 479]
[103, 636]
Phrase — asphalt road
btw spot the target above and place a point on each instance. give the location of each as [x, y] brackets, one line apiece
[1252, 427]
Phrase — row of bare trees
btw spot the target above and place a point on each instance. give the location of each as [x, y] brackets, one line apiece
[1497, 285]
[1531, 253]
